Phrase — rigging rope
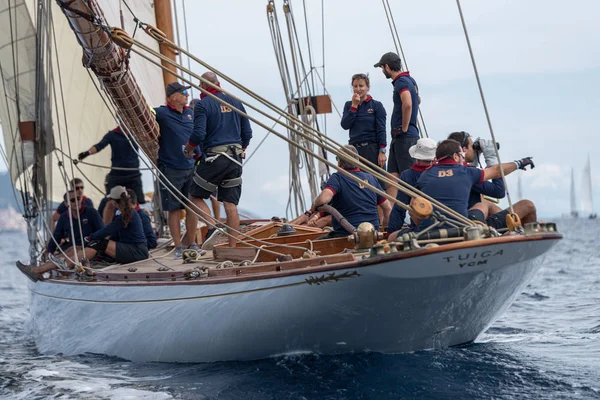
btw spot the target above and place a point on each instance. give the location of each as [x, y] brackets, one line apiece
[487, 114]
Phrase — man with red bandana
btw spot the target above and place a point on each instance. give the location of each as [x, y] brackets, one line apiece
[354, 201]
[450, 182]
[405, 132]
[222, 136]
[424, 154]
[176, 121]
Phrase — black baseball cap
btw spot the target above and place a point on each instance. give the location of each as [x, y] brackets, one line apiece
[175, 87]
[386, 59]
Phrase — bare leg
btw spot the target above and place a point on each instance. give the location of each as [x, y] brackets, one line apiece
[233, 221]
[109, 212]
[191, 227]
[391, 190]
[111, 249]
[68, 256]
[174, 227]
[526, 211]
[216, 206]
[203, 210]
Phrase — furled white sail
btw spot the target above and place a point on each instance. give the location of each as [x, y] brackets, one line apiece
[587, 201]
[573, 199]
[519, 188]
[80, 117]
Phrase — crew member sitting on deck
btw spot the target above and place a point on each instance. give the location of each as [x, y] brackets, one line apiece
[126, 243]
[365, 118]
[146, 223]
[525, 209]
[424, 154]
[355, 202]
[450, 181]
[67, 227]
[123, 155]
[222, 136]
[77, 185]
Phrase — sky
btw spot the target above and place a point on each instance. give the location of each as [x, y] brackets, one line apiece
[538, 62]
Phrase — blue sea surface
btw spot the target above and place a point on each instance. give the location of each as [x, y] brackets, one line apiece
[546, 346]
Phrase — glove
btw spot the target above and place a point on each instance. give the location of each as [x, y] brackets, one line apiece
[522, 163]
[87, 240]
[83, 155]
[489, 152]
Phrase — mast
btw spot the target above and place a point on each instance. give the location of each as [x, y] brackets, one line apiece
[164, 22]
[109, 63]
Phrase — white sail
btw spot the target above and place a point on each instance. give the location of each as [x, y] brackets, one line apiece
[519, 188]
[587, 201]
[80, 117]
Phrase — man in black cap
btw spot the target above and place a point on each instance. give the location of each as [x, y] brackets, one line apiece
[404, 117]
[176, 122]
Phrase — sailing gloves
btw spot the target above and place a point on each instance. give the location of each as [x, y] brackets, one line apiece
[489, 152]
[522, 163]
[98, 245]
[83, 155]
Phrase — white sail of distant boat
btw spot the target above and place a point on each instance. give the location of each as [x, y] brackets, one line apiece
[574, 212]
[519, 188]
[587, 201]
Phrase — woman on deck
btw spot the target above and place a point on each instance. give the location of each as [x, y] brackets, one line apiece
[365, 118]
[126, 241]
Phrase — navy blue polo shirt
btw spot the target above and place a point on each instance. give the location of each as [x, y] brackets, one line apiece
[398, 214]
[216, 124]
[62, 207]
[355, 202]
[90, 222]
[450, 183]
[148, 231]
[133, 233]
[402, 83]
[494, 189]
[122, 154]
[365, 122]
[175, 130]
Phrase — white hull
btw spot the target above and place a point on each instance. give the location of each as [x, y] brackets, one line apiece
[434, 300]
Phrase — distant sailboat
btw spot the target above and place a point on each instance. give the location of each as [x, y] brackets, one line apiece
[587, 201]
[519, 188]
[574, 212]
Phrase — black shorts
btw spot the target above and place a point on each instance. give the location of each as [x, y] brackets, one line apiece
[133, 182]
[476, 215]
[180, 178]
[131, 252]
[399, 159]
[218, 172]
[370, 151]
[498, 220]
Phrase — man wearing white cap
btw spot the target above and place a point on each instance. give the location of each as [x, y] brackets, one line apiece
[424, 154]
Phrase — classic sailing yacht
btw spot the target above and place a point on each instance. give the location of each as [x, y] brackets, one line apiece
[272, 294]
[587, 200]
[574, 212]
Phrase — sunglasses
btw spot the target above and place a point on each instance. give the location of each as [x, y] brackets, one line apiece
[75, 200]
[465, 141]
[185, 92]
[78, 187]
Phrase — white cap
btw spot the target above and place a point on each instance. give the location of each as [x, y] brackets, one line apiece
[116, 192]
[423, 150]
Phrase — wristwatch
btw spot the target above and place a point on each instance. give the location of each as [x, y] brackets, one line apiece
[382, 150]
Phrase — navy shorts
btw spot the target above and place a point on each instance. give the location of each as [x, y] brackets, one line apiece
[133, 182]
[476, 215]
[498, 220]
[217, 172]
[399, 159]
[131, 252]
[180, 178]
[370, 151]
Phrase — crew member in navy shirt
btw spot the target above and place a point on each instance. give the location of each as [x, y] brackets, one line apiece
[123, 239]
[77, 186]
[146, 223]
[365, 118]
[68, 225]
[222, 136]
[124, 154]
[176, 122]
[450, 181]
[354, 201]
[404, 116]
[424, 154]
[525, 209]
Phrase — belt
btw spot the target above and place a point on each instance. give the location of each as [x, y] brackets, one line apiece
[362, 144]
